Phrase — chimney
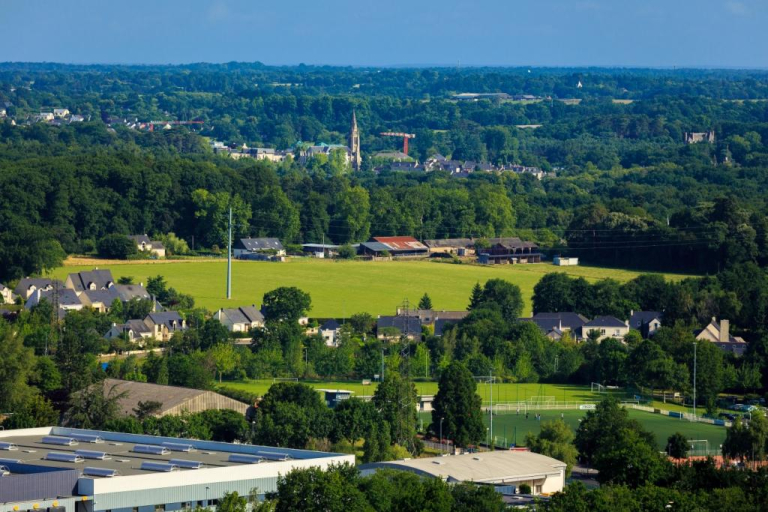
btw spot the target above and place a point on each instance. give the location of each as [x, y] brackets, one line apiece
[724, 328]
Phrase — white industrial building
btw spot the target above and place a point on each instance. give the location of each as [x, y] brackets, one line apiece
[508, 469]
[71, 470]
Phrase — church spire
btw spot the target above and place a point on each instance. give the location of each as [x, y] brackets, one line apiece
[354, 144]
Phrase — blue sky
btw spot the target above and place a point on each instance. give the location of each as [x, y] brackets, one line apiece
[649, 33]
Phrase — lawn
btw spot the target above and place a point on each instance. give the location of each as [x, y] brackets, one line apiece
[514, 427]
[342, 288]
[502, 392]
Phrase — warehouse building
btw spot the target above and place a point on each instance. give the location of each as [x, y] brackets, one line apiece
[505, 470]
[57, 469]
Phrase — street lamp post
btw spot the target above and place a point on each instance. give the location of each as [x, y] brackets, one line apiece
[694, 380]
[441, 435]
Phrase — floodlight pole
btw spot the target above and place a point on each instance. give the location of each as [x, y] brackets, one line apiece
[491, 420]
[694, 380]
[441, 435]
[229, 257]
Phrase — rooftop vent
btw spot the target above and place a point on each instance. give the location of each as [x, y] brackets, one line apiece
[179, 447]
[186, 464]
[63, 457]
[245, 459]
[5, 462]
[8, 446]
[272, 455]
[103, 472]
[87, 438]
[152, 449]
[4, 471]
[87, 454]
[61, 441]
[159, 466]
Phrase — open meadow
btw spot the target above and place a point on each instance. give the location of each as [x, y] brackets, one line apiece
[341, 288]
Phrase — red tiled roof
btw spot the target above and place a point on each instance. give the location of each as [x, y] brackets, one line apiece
[400, 242]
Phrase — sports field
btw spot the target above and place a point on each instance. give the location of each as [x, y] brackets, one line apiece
[342, 288]
[502, 392]
[508, 428]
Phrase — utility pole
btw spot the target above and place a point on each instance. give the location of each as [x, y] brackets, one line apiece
[694, 380]
[491, 420]
[229, 257]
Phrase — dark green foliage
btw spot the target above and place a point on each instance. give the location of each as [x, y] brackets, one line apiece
[168, 296]
[677, 446]
[116, 247]
[425, 302]
[290, 415]
[458, 405]
[286, 304]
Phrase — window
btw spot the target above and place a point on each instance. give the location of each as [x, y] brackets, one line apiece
[537, 490]
[602, 331]
[159, 508]
[215, 503]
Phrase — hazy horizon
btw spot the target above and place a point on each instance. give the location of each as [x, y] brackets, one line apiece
[656, 34]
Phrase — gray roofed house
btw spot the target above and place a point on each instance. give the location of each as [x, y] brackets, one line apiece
[135, 330]
[241, 319]
[246, 246]
[141, 240]
[143, 243]
[128, 292]
[174, 399]
[647, 322]
[100, 300]
[443, 324]
[565, 321]
[408, 326]
[330, 331]
[90, 280]
[164, 324]
[28, 285]
[67, 300]
[606, 327]
[372, 248]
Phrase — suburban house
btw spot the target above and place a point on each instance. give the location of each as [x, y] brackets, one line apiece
[393, 327]
[565, 261]
[509, 251]
[606, 327]
[241, 319]
[396, 246]
[135, 330]
[27, 286]
[719, 334]
[129, 292]
[6, 295]
[164, 324]
[443, 324]
[430, 316]
[66, 299]
[90, 280]
[144, 244]
[458, 246]
[100, 300]
[249, 246]
[330, 331]
[554, 325]
[647, 322]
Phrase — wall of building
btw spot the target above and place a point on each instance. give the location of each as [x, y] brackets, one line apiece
[208, 401]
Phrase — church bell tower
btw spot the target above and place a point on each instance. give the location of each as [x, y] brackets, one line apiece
[354, 144]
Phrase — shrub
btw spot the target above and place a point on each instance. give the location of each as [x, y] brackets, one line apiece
[118, 247]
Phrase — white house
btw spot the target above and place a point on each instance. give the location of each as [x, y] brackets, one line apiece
[6, 295]
[164, 324]
[60, 112]
[143, 243]
[246, 246]
[606, 327]
[330, 332]
[136, 331]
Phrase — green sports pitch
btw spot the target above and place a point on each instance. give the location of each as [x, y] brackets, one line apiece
[342, 288]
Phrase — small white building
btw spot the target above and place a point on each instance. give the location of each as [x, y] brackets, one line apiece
[565, 261]
[60, 112]
[6, 295]
[513, 468]
[330, 331]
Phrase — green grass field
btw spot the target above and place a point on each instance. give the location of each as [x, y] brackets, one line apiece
[511, 428]
[502, 392]
[342, 288]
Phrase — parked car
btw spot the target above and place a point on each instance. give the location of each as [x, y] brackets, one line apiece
[727, 416]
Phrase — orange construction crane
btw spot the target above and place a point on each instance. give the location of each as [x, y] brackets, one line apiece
[152, 124]
[405, 137]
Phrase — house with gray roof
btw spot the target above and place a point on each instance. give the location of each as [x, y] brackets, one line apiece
[647, 322]
[100, 300]
[165, 324]
[246, 246]
[606, 327]
[143, 243]
[28, 285]
[90, 280]
[136, 331]
[66, 299]
[241, 319]
[554, 325]
[330, 331]
[129, 292]
[393, 327]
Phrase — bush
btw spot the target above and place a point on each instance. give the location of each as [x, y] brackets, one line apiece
[118, 247]
[347, 252]
[524, 489]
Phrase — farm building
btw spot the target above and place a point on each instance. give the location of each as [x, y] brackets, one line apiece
[175, 400]
[396, 246]
[509, 251]
[458, 246]
[543, 474]
[249, 246]
[565, 261]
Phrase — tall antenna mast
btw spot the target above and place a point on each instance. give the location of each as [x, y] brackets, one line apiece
[229, 257]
